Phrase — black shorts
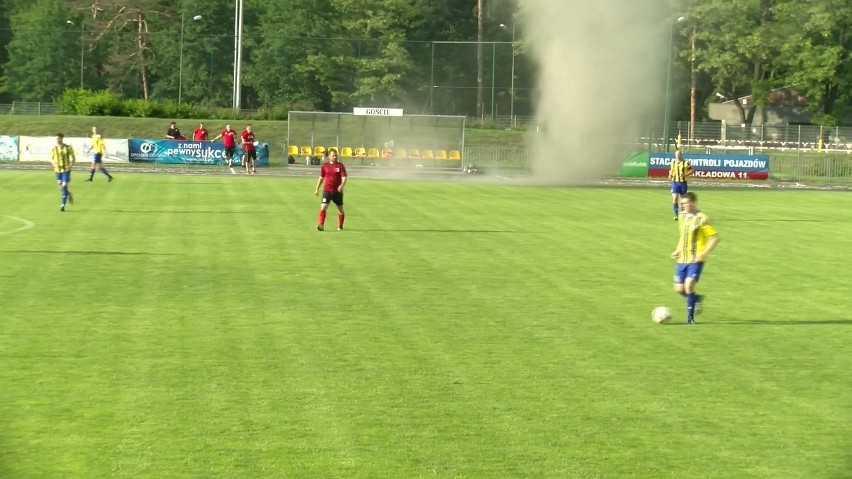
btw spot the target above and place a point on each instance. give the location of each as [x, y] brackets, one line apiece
[229, 152]
[252, 154]
[335, 197]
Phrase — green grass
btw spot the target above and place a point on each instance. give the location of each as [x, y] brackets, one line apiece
[178, 326]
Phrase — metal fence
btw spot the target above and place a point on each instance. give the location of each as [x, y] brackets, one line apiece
[803, 166]
[783, 136]
[28, 108]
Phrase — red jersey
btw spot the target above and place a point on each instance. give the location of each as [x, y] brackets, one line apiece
[200, 134]
[248, 140]
[229, 138]
[332, 174]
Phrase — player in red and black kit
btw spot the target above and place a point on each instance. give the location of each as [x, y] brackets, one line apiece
[333, 173]
[249, 153]
[229, 138]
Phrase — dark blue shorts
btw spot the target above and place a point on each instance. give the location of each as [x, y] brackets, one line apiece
[63, 177]
[687, 270]
[679, 187]
[98, 158]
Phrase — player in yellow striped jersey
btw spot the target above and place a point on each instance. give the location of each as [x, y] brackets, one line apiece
[62, 158]
[697, 239]
[679, 170]
[99, 150]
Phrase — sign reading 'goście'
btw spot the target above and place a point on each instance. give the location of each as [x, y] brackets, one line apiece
[360, 111]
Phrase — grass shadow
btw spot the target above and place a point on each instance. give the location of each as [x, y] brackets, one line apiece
[769, 322]
[119, 253]
[424, 230]
[190, 212]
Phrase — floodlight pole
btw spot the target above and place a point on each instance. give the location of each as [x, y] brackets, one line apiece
[668, 101]
[238, 53]
[432, 83]
[82, 48]
[180, 66]
[512, 83]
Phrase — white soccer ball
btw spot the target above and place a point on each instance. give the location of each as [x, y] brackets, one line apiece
[661, 315]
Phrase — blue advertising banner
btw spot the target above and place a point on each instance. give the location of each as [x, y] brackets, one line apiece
[185, 152]
[8, 148]
[734, 167]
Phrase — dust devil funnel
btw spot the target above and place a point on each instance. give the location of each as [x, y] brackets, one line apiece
[601, 82]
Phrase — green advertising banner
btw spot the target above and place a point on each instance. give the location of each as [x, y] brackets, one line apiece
[635, 166]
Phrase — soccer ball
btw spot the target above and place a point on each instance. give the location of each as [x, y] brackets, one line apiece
[661, 315]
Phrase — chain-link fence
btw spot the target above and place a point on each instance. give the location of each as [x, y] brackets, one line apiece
[720, 135]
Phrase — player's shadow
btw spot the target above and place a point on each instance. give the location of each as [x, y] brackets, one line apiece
[426, 230]
[769, 322]
[760, 220]
[191, 212]
[93, 253]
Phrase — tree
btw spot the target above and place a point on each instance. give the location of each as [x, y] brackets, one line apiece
[817, 55]
[738, 46]
[43, 53]
[122, 30]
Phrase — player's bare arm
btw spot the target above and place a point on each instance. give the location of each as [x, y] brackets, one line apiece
[342, 184]
[319, 183]
[676, 253]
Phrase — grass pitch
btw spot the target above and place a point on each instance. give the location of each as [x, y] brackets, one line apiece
[179, 326]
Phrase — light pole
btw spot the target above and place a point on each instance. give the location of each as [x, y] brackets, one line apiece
[180, 67]
[512, 86]
[668, 107]
[238, 53]
[82, 48]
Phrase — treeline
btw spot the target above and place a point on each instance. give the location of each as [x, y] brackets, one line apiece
[416, 54]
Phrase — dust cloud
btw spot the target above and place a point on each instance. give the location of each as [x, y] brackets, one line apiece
[601, 82]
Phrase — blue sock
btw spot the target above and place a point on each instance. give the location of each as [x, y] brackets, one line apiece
[674, 208]
[104, 171]
[91, 173]
[64, 194]
[690, 306]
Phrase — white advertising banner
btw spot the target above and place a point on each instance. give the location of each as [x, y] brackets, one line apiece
[37, 148]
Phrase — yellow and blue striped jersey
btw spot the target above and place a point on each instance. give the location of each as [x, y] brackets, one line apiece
[679, 170]
[62, 157]
[98, 143]
[694, 231]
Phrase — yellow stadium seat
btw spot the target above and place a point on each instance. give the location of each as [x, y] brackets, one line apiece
[307, 151]
[319, 150]
[360, 151]
[441, 155]
[414, 154]
[428, 154]
[292, 150]
[400, 153]
[373, 153]
[455, 155]
[346, 152]
[387, 152]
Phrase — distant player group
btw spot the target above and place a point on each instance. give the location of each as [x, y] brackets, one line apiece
[63, 158]
[332, 173]
[698, 238]
[248, 142]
